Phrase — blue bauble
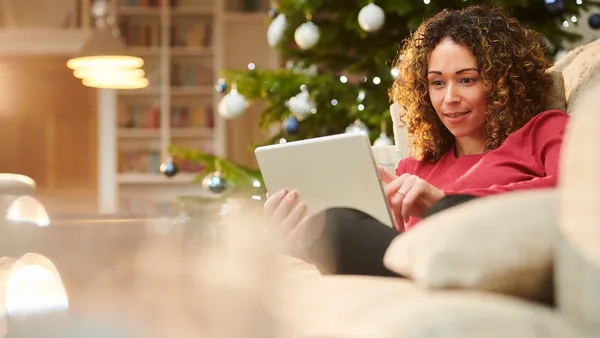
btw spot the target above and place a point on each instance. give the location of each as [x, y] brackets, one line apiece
[594, 21]
[291, 125]
[555, 7]
[215, 183]
[221, 86]
[169, 168]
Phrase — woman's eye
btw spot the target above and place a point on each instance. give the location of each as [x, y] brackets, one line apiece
[437, 82]
[468, 80]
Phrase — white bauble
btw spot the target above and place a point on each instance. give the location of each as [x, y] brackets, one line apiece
[307, 35]
[232, 105]
[371, 17]
[302, 105]
[275, 30]
[357, 126]
[383, 141]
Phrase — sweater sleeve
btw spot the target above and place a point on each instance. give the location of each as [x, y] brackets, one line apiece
[544, 144]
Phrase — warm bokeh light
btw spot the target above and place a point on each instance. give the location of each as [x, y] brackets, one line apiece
[26, 209]
[108, 73]
[106, 61]
[34, 286]
[116, 83]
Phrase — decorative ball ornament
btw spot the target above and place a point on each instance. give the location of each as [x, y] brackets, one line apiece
[357, 126]
[273, 12]
[594, 21]
[169, 168]
[276, 30]
[307, 35]
[302, 105]
[555, 7]
[221, 86]
[371, 18]
[215, 182]
[232, 105]
[291, 125]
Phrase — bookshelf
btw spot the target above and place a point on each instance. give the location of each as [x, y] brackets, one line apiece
[184, 44]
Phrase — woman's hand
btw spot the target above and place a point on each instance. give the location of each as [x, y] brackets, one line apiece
[286, 216]
[408, 195]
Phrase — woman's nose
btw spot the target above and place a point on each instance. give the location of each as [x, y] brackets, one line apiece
[452, 95]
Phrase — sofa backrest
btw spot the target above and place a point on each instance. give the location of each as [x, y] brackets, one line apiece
[580, 70]
[578, 254]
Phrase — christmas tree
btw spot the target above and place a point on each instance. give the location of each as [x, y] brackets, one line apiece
[347, 73]
[339, 60]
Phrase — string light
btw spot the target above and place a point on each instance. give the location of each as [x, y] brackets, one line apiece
[343, 79]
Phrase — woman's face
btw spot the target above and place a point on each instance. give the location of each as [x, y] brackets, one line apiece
[456, 90]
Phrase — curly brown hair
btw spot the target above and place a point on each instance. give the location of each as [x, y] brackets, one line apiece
[512, 64]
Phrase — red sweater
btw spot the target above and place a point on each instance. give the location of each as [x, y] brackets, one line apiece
[528, 159]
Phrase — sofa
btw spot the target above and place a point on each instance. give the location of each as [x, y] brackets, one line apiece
[521, 264]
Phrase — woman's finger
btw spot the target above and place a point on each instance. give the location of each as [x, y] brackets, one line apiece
[293, 218]
[417, 190]
[398, 199]
[273, 202]
[392, 188]
[385, 175]
[285, 207]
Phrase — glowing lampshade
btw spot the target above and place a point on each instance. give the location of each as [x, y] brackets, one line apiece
[103, 73]
[116, 83]
[105, 50]
[104, 63]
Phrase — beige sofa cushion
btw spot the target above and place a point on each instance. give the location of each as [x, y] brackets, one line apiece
[358, 306]
[578, 257]
[500, 243]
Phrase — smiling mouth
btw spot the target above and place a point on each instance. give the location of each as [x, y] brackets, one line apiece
[454, 115]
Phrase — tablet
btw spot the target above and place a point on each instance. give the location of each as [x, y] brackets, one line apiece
[328, 172]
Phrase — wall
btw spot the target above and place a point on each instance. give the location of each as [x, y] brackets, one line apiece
[48, 131]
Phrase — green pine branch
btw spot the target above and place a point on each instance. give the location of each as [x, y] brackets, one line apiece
[237, 176]
[345, 49]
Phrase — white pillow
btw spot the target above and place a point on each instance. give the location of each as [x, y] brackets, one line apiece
[502, 243]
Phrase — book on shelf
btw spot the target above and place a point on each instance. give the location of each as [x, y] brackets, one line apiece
[141, 116]
[170, 3]
[183, 116]
[142, 3]
[139, 161]
[198, 34]
[190, 75]
[148, 161]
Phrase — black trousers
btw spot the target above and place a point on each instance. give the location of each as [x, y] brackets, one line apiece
[354, 243]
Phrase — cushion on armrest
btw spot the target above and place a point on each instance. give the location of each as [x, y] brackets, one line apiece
[502, 243]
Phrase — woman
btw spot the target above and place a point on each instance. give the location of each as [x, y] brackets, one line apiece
[473, 83]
